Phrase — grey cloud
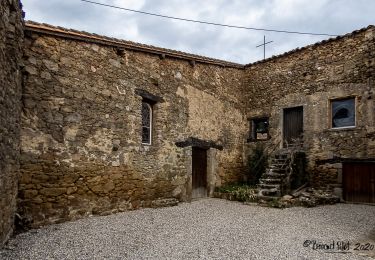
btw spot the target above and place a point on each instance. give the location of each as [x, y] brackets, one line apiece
[327, 16]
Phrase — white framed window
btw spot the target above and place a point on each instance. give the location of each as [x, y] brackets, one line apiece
[343, 112]
[146, 123]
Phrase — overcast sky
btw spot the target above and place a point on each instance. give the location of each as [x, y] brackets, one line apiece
[237, 45]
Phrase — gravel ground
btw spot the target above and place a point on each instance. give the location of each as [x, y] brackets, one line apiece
[204, 229]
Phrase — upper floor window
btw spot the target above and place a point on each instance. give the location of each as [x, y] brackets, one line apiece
[146, 123]
[343, 112]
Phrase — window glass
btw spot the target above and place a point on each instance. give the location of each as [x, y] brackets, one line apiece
[259, 129]
[343, 112]
[146, 123]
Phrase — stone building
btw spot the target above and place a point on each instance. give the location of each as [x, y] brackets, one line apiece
[331, 85]
[109, 125]
[11, 34]
[85, 149]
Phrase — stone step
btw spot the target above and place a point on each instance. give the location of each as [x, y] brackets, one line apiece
[273, 175]
[269, 186]
[279, 163]
[276, 160]
[276, 169]
[269, 193]
[268, 198]
[273, 179]
[269, 180]
[278, 166]
[272, 172]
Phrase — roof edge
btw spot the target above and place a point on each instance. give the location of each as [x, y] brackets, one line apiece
[72, 34]
[351, 34]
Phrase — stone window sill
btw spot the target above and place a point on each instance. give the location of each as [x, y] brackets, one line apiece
[347, 128]
[251, 140]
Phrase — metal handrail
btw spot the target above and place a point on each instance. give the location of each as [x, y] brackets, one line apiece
[287, 162]
[264, 154]
[292, 153]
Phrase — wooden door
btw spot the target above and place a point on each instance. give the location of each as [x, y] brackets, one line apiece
[292, 124]
[199, 178]
[359, 182]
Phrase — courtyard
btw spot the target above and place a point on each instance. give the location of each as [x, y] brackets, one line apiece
[206, 229]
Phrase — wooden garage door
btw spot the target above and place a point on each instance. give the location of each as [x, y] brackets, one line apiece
[359, 182]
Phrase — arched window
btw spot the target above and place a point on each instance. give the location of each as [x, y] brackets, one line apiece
[146, 123]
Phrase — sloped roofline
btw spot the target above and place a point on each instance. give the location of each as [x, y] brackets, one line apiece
[348, 35]
[58, 31]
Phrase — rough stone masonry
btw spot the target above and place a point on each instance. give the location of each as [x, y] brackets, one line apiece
[81, 148]
[80, 145]
[11, 31]
[311, 78]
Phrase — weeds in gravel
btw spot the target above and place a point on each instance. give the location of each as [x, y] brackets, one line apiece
[240, 192]
[276, 203]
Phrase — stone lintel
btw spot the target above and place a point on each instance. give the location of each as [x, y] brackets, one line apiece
[147, 95]
[196, 142]
[343, 160]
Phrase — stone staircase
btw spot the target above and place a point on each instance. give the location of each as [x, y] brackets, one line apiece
[275, 181]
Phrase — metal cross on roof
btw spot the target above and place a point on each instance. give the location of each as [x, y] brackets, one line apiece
[264, 46]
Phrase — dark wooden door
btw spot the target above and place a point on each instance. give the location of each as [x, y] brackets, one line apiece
[199, 178]
[359, 182]
[292, 124]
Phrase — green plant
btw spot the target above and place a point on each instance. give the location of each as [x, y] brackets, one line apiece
[240, 192]
[275, 203]
[229, 187]
[257, 164]
[245, 194]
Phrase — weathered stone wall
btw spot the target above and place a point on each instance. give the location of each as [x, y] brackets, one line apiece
[81, 148]
[11, 33]
[310, 77]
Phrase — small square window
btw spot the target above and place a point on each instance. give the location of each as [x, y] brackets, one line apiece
[259, 129]
[343, 112]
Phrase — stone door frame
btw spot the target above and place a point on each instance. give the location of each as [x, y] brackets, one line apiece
[283, 115]
[211, 171]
